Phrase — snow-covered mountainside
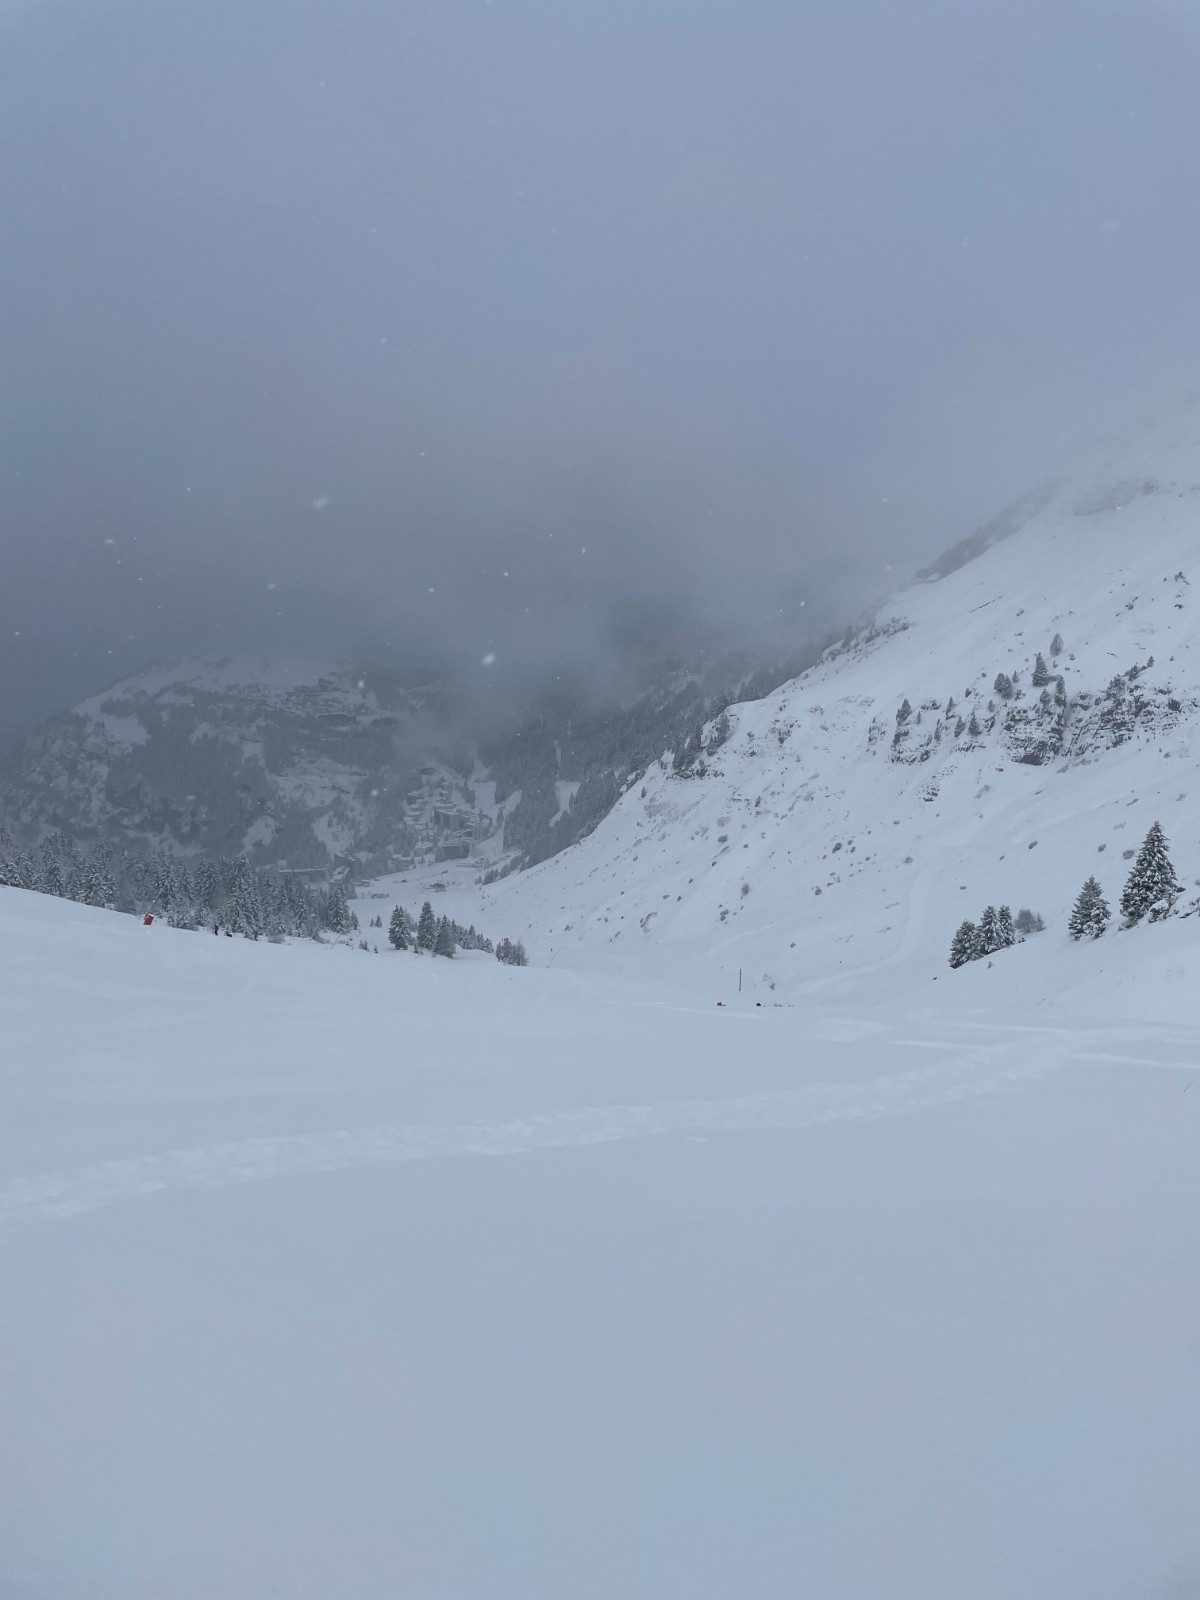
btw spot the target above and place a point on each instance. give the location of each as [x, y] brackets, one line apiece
[926, 767]
[315, 765]
[291, 762]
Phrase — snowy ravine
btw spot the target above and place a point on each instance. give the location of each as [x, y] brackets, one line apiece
[340, 1274]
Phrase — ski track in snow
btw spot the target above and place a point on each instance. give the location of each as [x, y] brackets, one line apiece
[982, 1071]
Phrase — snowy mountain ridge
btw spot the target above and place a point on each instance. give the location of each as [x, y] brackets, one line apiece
[284, 760]
[996, 735]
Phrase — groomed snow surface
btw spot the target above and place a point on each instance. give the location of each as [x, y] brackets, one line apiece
[340, 1275]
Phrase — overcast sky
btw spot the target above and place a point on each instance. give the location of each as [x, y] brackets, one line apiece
[349, 323]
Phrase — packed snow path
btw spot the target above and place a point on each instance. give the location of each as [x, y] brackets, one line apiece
[977, 1069]
[984, 1070]
[891, 1298]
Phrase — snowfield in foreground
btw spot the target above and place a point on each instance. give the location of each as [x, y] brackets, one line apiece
[327, 1274]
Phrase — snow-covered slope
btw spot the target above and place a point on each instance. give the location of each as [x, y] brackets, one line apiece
[334, 1274]
[857, 815]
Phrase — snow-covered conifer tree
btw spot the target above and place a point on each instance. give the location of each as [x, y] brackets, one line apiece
[511, 953]
[96, 887]
[1090, 913]
[398, 929]
[426, 928]
[964, 945]
[337, 912]
[1151, 888]
[207, 881]
[22, 870]
[1005, 931]
[243, 907]
[165, 893]
[53, 881]
[443, 944]
[989, 931]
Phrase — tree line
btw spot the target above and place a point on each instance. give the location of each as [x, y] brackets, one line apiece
[441, 936]
[224, 893]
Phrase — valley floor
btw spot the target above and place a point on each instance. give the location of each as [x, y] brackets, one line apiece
[331, 1274]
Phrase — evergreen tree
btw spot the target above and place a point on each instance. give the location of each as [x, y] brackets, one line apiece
[973, 727]
[686, 755]
[336, 911]
[276, 922]
[302, 914]
[96, 882]
[398, 930]
[989, 932]
[1151, 888]
[243, 907]
[1090, 913]
[134, 892]
[1003, 686]
[1004, 928]
[185, 889]
[426, 928]
[22, 872]
[719, 734]
[964, 945]
[207, 884]
[1056, 645]
[165, 894]
[53, 881]
[443, 944]
[1029, 921]
[1041, 672]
